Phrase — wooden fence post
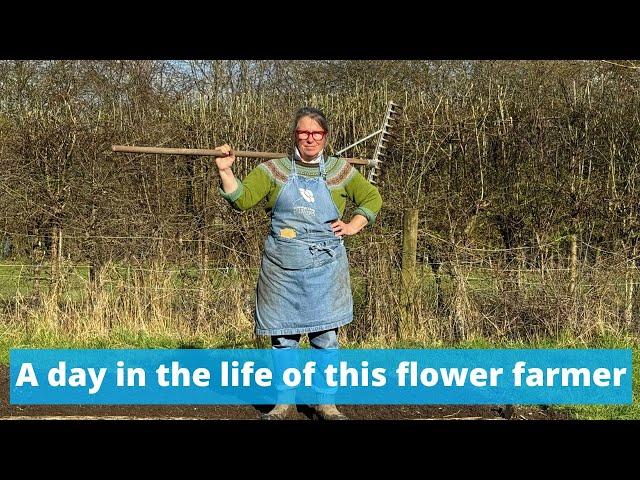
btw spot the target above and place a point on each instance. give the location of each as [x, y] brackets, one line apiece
[408, 284]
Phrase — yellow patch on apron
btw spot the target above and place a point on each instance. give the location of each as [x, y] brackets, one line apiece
[287, 233]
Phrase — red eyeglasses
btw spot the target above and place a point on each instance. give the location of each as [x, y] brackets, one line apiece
[317, 136]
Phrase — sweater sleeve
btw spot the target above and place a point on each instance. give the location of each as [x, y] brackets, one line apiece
[253, 188]
[365, 196]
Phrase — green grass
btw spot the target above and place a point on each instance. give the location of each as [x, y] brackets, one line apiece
[118, 339]
[16, 279]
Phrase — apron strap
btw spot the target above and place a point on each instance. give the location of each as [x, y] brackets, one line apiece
[323, 170]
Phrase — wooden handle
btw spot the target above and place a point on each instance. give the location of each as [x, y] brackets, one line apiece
[194, 151]
[214, 153]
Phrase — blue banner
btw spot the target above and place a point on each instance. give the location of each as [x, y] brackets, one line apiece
[308, 376]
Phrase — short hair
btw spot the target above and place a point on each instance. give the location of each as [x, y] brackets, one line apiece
[312, 113]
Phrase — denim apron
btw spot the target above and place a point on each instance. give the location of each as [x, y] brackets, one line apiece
[304, 283]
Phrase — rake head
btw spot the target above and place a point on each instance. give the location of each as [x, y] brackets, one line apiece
[380, 155]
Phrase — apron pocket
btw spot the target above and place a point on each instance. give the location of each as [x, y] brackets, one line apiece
[295, 254]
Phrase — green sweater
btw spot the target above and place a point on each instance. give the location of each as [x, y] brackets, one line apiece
[344, 181]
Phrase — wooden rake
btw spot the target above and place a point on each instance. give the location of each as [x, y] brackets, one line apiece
[375, 163]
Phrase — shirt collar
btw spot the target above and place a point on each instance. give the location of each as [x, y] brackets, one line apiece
[315, 161]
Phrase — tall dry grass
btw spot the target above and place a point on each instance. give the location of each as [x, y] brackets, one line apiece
[468, 303]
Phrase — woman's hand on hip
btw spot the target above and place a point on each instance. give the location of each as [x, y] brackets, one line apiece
[224, 163]
[341, 229]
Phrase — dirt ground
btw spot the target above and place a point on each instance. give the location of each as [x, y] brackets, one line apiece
[249, 412]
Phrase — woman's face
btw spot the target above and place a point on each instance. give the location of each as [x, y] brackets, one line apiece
[309, 147]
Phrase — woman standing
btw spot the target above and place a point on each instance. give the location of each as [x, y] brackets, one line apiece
[304, 284]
